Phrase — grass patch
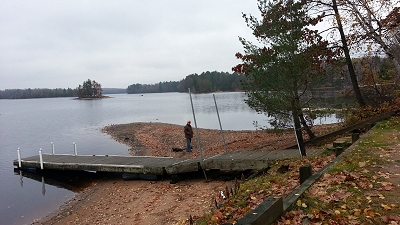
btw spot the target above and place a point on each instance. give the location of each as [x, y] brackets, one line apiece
[356, 190]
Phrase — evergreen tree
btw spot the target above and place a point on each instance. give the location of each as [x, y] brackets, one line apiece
[89, 89]
[280, 73]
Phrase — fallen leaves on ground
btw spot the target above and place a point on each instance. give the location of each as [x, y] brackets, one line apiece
[364, 188]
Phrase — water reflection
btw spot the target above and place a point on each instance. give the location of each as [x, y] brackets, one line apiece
[227, 102]
[74, 181]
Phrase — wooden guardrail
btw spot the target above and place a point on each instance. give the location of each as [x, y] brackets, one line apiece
[363, 124]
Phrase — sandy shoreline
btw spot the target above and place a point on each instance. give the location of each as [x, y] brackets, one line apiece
[158, 139]
[115, 201]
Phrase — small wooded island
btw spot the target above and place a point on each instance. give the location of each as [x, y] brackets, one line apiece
[89, 90]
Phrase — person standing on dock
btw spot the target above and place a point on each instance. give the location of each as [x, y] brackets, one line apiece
[188, 135]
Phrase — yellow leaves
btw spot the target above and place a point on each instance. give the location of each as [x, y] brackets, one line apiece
[215, 219]
[357, 212]
[362, 164]
[301, 204]
[369, 213]
[386, 207]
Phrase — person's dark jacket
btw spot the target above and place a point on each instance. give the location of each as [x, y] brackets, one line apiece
[188, 131]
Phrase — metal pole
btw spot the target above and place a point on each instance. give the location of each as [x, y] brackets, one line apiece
[52, 147]
[220, 126]
[75, 152]
[297, 140]
[195, 124]
[41, 158]
[19, 158]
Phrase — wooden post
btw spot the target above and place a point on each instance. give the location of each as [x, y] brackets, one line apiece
[368, 126]
[355, 137]
[338, 150]
[305, 172]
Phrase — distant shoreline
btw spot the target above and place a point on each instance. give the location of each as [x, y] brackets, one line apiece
[96, 98]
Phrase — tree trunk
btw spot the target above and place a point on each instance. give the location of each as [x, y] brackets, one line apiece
[297, 127]
[396, 65]
[299, 134]
[345, 47]
[310, 134]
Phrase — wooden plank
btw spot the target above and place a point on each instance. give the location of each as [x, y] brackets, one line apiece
[350, 128]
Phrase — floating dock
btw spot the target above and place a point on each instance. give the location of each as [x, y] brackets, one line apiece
[234, 161]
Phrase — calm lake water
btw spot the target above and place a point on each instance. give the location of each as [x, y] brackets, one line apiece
[32, 124]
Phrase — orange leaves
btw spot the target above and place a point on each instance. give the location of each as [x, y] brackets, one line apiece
[292, 217]
[362, 164]
[217, 217]
[392, 20]
[389, 219]
[385, 186]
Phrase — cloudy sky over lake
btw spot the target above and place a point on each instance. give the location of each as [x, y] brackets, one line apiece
[59, 44]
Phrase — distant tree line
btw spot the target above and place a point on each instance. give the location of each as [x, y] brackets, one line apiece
[205, 82]
[114, 90]
[171, 86]
[370, 72]
[36, 93]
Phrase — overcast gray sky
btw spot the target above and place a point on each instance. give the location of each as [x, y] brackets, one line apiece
[60, 44]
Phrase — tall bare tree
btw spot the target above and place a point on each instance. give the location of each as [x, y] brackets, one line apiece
[368, 25]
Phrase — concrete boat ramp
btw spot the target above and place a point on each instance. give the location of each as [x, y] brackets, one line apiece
[234, 161]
